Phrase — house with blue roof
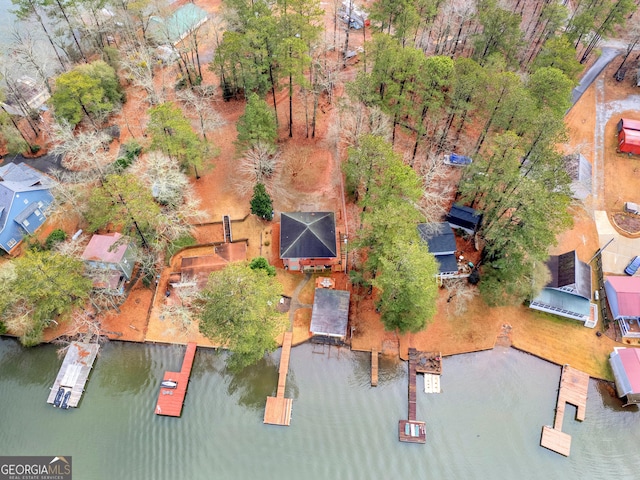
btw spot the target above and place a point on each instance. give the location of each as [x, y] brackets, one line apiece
[25, 197]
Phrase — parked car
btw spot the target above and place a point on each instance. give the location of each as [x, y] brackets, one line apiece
[632, 268]
[457, 160]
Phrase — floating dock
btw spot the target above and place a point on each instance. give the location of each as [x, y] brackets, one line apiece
[374, 368]
[431, 383]
[429, 364]
[278, 409]
[73, 374]
[574, 385]
[171, 398]
[412, 430]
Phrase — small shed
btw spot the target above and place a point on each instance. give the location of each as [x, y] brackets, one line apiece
[464, 218]
[629, 136]
[330, 314]
[579, 170]
[625, 363]
[441, 241]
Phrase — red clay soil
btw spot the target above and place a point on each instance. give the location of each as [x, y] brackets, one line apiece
[312, 175]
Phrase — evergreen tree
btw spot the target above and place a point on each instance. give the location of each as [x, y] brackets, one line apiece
[256, 125]
[261, 204]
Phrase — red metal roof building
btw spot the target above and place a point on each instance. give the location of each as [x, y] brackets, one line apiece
[623, 296]
[629, 136]
[625, 363]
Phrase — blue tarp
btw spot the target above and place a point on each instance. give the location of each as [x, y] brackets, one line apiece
[456, 159]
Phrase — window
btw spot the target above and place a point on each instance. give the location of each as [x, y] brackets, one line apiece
[25, 222]
[37, 212]
[26, 201]
[40, 204]
[12, 243]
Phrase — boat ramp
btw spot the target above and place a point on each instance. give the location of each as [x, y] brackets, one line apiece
[573, 389]
[72, 377]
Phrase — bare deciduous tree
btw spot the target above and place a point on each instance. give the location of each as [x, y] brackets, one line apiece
[356, 120]
[198, 102]
[184, 313]
[460, 294]
[138, 65]
[86, 151]
[437, 188]
[261, 163]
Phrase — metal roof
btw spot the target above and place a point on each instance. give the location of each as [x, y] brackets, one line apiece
[330, 313]
[308, 235]
[100, 248]
[625, 363]
[623, 294]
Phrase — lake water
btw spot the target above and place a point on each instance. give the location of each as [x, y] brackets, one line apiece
[486, 423]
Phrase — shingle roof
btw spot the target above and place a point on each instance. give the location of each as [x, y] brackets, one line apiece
[438, 236]
[330, 312]
[464, 217]
[308, 235]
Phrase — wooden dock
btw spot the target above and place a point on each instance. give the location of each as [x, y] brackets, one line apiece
[74, 372]
[278, 408]
[574, 385]
[170, 400]
[412, 430]
[374, 368]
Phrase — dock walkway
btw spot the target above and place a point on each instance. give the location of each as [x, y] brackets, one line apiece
[374, 368]
[412, 430]
[74, 372]
[170, 400]
[278, 409]
[574, 385]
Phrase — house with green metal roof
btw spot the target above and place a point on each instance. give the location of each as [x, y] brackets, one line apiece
[177, 26]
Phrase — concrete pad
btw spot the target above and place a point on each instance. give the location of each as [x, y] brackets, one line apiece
[618, 253]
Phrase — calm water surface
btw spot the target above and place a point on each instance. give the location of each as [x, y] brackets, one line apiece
[485, 424]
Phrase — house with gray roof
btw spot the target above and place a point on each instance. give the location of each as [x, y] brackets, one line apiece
[308, 240]
[25, 197]
[568, 294]
[330, 314]
[441, 242]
